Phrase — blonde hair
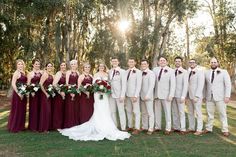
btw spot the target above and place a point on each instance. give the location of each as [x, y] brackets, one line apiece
[102, 64]
[85, 64]
[74, 61]
[20, 60]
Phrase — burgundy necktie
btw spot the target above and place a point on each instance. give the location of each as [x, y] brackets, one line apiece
[176, 72]
[114, 72]
[212, 76]
[159, 76]
[190, 75]
[128, 75]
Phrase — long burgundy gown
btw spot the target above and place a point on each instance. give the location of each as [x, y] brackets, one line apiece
[34, 104]
[85, 103]
[16, 121]
[45, 108]
[58, 107]
[71, 106]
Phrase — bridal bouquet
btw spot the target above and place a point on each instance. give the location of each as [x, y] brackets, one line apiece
[87, 89]
[51, 90]
[33, 88]
[22, 89]
[103, 87]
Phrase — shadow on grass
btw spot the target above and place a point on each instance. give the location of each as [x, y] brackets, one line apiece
[53, 144]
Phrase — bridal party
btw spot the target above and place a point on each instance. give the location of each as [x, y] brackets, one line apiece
[140, 99]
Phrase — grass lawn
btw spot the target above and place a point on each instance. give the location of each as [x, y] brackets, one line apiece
[53, 144]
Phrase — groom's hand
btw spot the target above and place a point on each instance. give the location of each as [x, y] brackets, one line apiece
[134, 99]
[122, 99]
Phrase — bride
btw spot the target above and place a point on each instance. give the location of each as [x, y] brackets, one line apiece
[101, 125]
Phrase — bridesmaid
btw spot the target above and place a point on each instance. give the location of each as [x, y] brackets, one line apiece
[16, 121]
[71, 104]
[59, 100]
[86, 99]
[45, 107]
[34, 98]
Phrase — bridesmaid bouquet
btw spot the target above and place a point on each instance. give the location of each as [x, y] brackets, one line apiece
[61, 88]
[22, 89]
[33, 88]
[72, 89]
[87, 89]
[103, 87]
[51, 90]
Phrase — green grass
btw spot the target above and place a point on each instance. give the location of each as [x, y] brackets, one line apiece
[54, 145]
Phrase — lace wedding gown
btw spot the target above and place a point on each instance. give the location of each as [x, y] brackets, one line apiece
[99, 127]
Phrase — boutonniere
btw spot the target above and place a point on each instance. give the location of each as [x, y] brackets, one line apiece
[144, 73]
[218, 71]
[134, 71]
[117, 73]
[193, 72]
[180, 72]
[165, 70]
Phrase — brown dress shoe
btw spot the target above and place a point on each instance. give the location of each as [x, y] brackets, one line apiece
[226, 134]
[207, 131]
[149, 132]
[167, 132]
[129, 129]
[143, 130]
[190, 131]
[182, 132]
[198, 133]
[175, 130]
[135, 132]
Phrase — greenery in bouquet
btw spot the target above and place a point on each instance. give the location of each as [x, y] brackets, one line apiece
[22, 89]
[51, 90]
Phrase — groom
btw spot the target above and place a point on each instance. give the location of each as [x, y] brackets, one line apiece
[117, 77]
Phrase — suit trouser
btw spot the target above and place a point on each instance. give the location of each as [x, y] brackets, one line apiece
[195, 108]
[221, 107]
[159, 103]
[133, 107]
[178, 114]
[147, 115]
[114, 105]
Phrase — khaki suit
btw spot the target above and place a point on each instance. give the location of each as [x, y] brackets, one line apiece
[148, 83]
[216, 92]
[118, 88]
[133, 87]
[164, 88]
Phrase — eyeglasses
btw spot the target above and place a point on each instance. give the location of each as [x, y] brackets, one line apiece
[191, 62]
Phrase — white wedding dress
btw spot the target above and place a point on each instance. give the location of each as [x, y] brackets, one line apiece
[99, 127]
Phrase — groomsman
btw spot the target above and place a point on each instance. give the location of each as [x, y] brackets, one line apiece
[164, 93]
[148, 84]
[218, 90]
[117, 77]
[134, 81]
[196, 81]
[178, 102]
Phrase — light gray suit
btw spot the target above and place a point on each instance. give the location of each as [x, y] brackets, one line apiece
[134, 82]
[118, 88]
[216, 92]
[181, 78]
[195, 90]
[148, 84]
[164, 88]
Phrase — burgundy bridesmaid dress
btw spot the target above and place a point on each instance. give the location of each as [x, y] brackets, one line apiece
[16, 121]
[34, 105]
[45, 108]
[85, 103]
[58, 107]
[71, 109]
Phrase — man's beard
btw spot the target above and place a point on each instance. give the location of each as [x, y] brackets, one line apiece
[213, 67]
